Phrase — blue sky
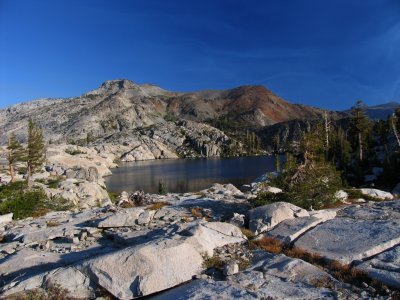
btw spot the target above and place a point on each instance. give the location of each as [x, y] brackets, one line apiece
[321, 53]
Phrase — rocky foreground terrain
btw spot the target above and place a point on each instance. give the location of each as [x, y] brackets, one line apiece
[195, 246]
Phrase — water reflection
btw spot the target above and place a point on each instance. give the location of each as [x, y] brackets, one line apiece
[187, 175]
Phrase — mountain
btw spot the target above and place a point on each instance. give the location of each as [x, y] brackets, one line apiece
[254, 106]
[146, 121]
[382, 111]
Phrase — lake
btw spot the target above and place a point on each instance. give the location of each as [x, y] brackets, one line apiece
[187, 175]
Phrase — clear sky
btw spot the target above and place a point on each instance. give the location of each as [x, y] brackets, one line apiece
[321, 53]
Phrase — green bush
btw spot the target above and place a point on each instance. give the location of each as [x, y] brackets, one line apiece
[72, 151]
[113, 196]
[18, 199]
[264, 198]
[162, 188]
[51, 183]
[23, 203]
[308, 181]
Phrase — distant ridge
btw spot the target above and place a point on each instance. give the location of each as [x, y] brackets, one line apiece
[382, 111]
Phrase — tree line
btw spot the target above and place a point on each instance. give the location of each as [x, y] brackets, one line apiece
[333, 155]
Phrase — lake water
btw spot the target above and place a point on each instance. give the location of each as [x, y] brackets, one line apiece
[187, 175]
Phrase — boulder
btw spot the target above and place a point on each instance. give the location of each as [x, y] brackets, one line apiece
[237, 220]
[6, 218]
[247, 285]
[90, 174]
[273, 190]
[146, 217]
[231, 268]
[378, 194]
[223, 189]
[387, 210]
[265, 217]
[91, 194]
[291, 269]
[289, 230]
[83, 194]
[161, 263]
[348, 240]
[207, 289]
[341, 195]
[76, 284]
[123, 218]
[396, 190]
[384, 267]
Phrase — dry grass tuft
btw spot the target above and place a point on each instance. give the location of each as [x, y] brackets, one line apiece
[50, 293]
[268, 244]
[243, 263]
[158, 205]
[40, 212]
[196, 212]
[247, 232]
[323, 282]
[312, 258]
[52, 223]
[347, 273]
[127, 204]
[342, 272]
[186, 219]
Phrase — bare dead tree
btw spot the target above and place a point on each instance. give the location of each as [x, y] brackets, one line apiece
[327, 124]
[396, 133]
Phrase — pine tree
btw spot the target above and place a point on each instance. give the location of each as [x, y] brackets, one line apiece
[16, 153]
[343, 148]
[36, 154]
[360, 128]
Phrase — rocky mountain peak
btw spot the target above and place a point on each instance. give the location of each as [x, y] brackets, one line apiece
[113, 86]
[118, 83]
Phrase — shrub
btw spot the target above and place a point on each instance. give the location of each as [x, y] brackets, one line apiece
[24, 203]
[311, 184]
[212, 262]
[72, 151]
[264, 198]
[162, 188]
[356, 194]
[18, 199]
[58, 203]
[53, 183]
[113, 197]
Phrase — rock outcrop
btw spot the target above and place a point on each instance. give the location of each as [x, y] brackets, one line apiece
[266, 217]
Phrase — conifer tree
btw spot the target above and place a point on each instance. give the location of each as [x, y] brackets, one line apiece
[36, 154]
[360, 128]
[16, 153]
